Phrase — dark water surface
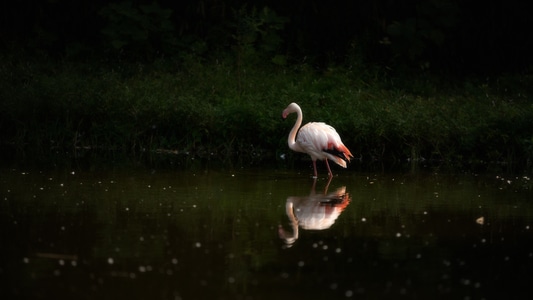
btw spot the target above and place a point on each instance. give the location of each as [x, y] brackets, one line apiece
[263, 234]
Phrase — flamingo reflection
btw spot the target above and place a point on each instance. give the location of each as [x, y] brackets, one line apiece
[313, 212]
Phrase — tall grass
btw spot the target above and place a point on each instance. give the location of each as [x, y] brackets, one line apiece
[224, 112]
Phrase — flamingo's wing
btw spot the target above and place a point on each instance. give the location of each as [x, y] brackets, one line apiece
[312, 140]
[319, 139]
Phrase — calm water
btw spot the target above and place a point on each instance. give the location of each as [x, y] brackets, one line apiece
[263, 234]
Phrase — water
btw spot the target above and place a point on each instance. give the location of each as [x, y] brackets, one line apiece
[263, 234]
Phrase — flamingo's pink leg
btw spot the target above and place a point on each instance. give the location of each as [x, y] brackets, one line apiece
[329, 170]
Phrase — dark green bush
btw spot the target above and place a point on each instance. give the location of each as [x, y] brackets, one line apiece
[222, 111]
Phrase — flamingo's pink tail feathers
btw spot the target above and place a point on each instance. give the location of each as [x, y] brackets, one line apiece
[339, 154]
[344, 151]
[339, 161]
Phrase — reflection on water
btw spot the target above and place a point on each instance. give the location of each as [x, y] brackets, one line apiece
[162, 234]
[314, 211]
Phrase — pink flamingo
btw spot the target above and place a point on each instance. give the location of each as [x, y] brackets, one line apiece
[319, 140]
[313, 212]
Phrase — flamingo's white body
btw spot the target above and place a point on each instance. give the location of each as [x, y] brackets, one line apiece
[313, 212]
[319, 140]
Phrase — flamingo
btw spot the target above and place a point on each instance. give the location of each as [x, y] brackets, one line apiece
[319, 140]
[313, 212]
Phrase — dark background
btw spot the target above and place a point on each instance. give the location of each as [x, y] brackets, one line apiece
[464, 37]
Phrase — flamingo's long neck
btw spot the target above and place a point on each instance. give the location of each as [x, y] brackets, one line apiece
[292, 135]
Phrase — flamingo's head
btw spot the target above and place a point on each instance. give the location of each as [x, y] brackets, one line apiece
[293, 107]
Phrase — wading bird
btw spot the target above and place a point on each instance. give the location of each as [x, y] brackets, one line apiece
[313, 212]
[319, 140]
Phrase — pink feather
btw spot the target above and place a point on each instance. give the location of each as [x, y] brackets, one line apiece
[319, 140]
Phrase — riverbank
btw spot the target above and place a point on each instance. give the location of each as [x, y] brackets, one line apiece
[222, 112]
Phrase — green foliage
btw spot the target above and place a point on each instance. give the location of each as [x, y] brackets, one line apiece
[429, 28]
[450, 35]
[138, 28]
[257, 35]
[213, 111]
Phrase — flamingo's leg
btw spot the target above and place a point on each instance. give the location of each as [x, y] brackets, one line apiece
[314, 168]
[329, 170]
[313, 187]
[327, 185]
